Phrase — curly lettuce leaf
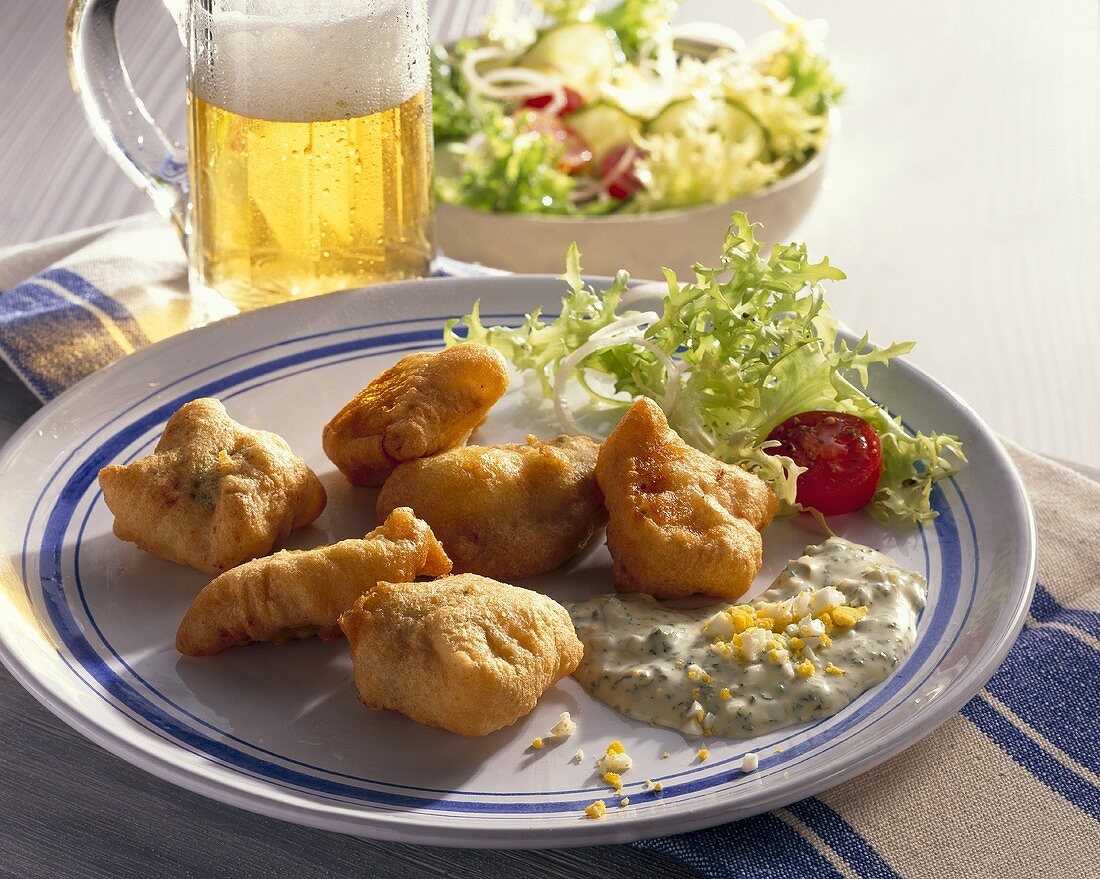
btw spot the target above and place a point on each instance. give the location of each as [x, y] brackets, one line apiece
[452, 115]
[696, 166]
[796, 59]
[755, 344]
[507, 168]
[637, 21]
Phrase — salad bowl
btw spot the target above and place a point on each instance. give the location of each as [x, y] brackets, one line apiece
[640, 243]
[625, 133]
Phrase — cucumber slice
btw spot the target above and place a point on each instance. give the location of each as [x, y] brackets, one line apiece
[726, 117]
[603, 126]
[584, 54]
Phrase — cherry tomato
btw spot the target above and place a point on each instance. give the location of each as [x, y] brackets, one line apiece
[843, 455]
[575, 154]
[573, 101]
[617, 173]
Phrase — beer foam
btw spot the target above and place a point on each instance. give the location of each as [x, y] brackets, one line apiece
[309, 60]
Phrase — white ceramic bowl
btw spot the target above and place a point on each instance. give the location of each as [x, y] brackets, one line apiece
[640, 243]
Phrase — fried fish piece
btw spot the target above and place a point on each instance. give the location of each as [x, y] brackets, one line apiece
[296, 594]
[680, 521]
[423, 404]
[463, 653]
[213, 493]
[505, 511]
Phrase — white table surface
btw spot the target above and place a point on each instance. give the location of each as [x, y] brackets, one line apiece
[962, 199]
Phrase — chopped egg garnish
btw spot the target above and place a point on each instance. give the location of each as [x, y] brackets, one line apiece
[836, 621]
[565, 727]
[596, 810]
[702, 754]
[615, 759]
[624, 802]
[579, 756]
[613, 779]
[749, 763]
[658, 787]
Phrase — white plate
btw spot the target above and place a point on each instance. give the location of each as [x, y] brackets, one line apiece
[87, 623]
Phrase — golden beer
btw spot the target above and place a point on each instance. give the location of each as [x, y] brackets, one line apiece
[289, 209]
[310, 146]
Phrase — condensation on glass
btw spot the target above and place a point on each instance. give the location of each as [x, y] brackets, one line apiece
[309, 161]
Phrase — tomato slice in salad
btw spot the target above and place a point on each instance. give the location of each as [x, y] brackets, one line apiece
[843, 455]
[573, 101]
[617, 171]
[575, 155]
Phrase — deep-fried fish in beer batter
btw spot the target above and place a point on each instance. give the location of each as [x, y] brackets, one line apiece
[424, 404]
[213, 493]
[463, 653]
[505, 511]
[302, 593]
[680, 522]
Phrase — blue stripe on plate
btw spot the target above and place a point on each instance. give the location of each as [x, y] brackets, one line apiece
[1046, 609]
[1033, 758]
[842, 838]
[84, 289]
[755, 848]
[1049, 679]
[51, 341]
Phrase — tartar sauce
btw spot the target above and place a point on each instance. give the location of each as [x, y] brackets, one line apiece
[837, 621]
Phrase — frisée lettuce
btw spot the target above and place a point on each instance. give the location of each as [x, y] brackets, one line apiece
[702, 115]
[729, 356]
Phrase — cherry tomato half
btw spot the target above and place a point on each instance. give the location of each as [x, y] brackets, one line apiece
[575, 155]
[617, 172]
[573, 101]
[843, 455]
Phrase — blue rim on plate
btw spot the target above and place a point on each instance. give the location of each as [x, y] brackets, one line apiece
[154, 731]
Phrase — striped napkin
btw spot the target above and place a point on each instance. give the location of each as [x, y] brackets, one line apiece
[75, 303]
[1008, 788]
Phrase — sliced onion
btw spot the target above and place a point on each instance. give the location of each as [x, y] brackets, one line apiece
[505, 83]
[584, 193]
[621, 166]
[621, 332]
[648, 290]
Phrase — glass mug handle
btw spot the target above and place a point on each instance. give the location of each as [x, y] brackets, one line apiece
[118, 118]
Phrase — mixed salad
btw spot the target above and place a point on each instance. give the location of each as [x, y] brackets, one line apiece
[618, 110]
[747, 364]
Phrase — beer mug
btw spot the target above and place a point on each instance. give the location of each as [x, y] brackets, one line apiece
[310, 146]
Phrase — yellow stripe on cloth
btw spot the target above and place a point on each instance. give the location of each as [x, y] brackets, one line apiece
[109, 326]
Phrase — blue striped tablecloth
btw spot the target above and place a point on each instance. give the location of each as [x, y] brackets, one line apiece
[1008, 788]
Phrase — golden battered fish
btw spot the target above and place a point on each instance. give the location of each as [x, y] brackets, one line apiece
[680, 521]
[425, 403]
[296, 594]
[463, 653]
[213, 493]
[504, 511]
